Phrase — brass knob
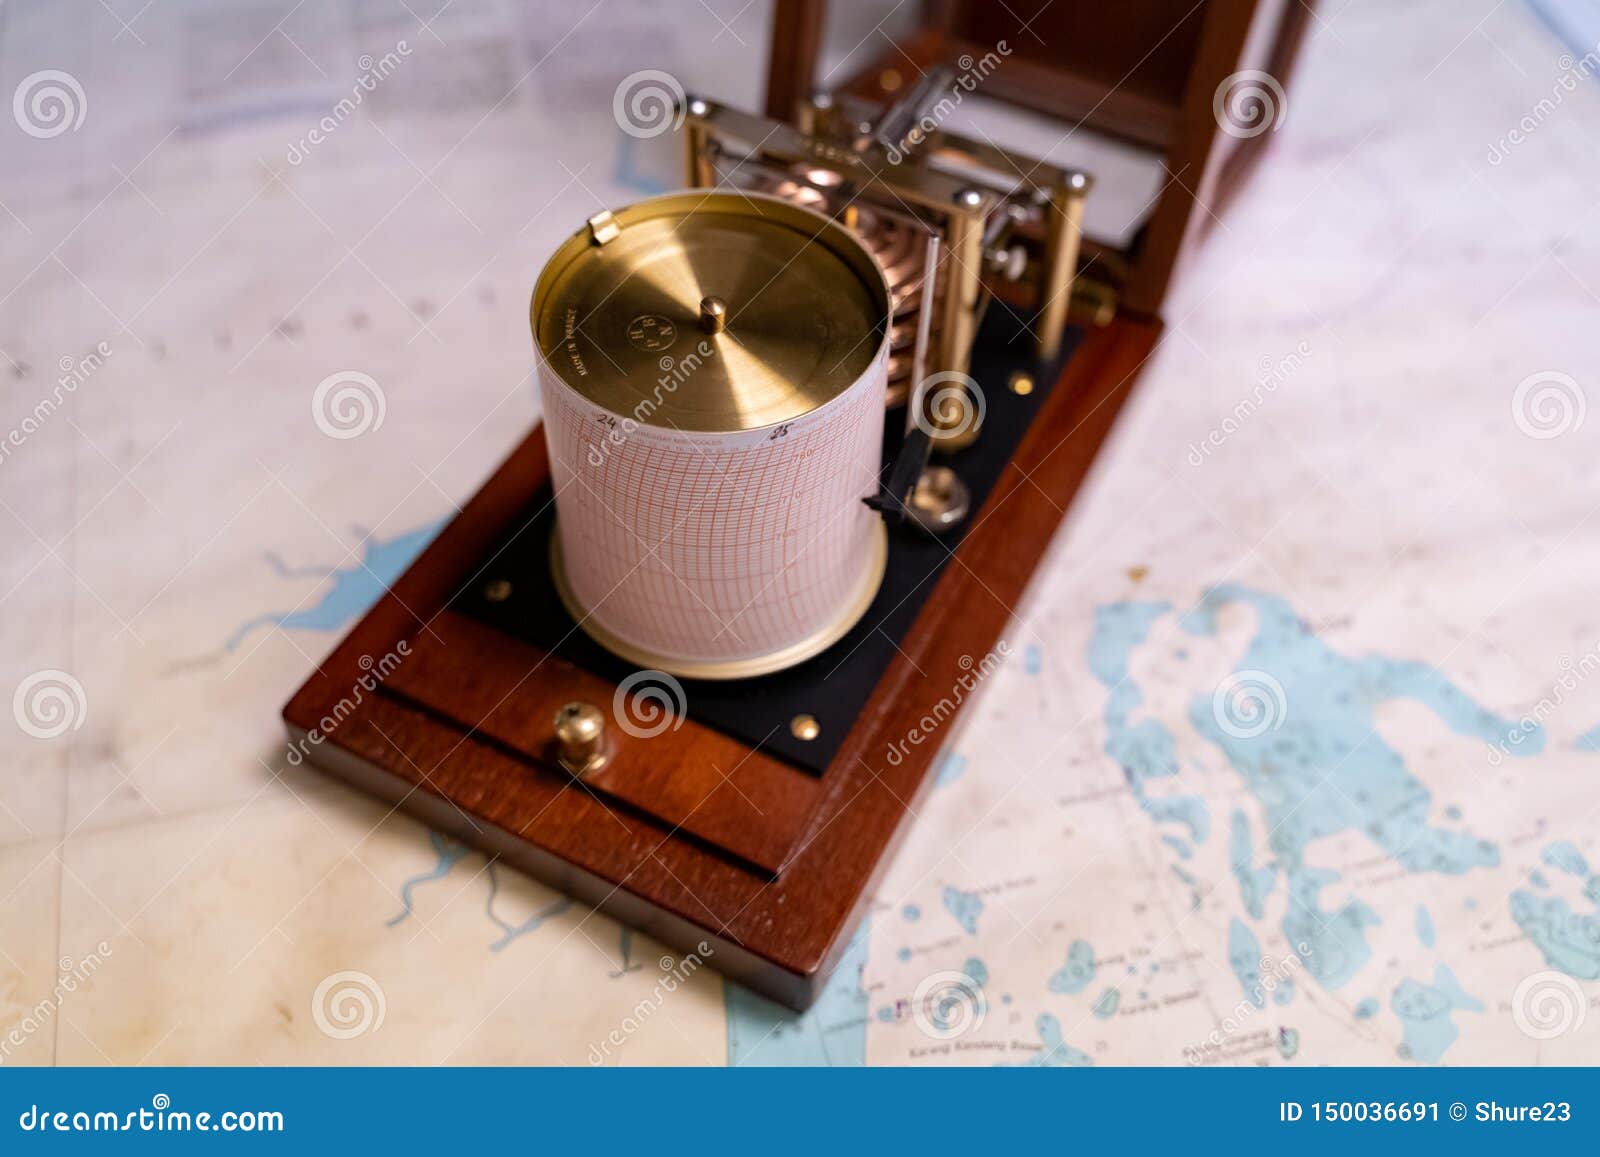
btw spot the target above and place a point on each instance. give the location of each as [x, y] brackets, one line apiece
[581, 738]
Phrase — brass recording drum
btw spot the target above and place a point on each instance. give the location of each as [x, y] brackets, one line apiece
[712, 370]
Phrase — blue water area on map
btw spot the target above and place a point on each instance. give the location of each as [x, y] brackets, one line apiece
[1179, 845]
[833, 1031]
[947, 1016]
[1288, 1043]
[1188, 810]
[449, 853]
[1564, 855]
[1537, 879]
[1106, 1007]
[1425, 931]
[1322, 770]
[1589, 740]
[951, 765]
[1569, 940]
[1143, 750]
[1078, 971]
[1032, 659]
[355, 587]
[1367, 1009]
[966, 907]
[625, 951]
[1244, 958]
[1255, 884]
[1057, 1053]
[911, 912]
[1426, 1014]
[1188, 878]
[511, 932]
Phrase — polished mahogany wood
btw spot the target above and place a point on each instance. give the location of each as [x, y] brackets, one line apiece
[480, 771]
[708, 785]
[792, 56]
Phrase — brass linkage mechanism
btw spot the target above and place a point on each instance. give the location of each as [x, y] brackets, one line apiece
[985, 221]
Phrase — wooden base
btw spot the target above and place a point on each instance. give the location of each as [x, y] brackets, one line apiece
[761, 866]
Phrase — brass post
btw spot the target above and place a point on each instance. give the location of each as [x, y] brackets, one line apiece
[1063, 235]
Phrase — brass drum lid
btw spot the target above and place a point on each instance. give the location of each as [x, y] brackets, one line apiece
[789, 305]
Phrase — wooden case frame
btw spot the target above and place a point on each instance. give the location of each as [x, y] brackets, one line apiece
[460, 733]
[1166, 59]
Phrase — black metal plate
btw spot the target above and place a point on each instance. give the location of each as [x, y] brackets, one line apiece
[834, 685]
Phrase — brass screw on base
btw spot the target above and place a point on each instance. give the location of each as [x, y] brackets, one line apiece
[581, 738]
[939, 500]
